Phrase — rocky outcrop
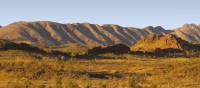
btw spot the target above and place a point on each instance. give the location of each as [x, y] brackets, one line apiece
[161, 42]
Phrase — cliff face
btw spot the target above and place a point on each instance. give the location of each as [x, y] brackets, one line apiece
[47, 33]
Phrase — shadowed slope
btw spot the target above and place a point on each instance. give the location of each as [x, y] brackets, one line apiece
[116, 49]
[7, 45]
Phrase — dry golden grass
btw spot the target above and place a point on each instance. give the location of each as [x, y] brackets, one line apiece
[29, 72]
[70, 48]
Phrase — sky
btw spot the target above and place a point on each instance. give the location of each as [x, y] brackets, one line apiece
[128, 13]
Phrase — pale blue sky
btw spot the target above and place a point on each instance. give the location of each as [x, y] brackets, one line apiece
[136, 13]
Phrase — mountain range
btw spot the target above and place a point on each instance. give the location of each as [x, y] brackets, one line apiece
[46, 33]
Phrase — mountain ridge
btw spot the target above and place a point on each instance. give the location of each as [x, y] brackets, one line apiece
[47, 33]
[52, 33]
[189, 32]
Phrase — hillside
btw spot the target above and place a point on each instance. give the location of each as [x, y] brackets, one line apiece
[47, 33]
[189, 32]
[155, 42]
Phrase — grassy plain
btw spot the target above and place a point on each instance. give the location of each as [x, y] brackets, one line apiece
[25, 70]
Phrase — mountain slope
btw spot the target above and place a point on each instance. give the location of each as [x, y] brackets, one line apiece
[189, 32]
[47, 33]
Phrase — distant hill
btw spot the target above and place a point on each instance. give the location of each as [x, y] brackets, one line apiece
[47, 33]
[169, 41]
[189, 32]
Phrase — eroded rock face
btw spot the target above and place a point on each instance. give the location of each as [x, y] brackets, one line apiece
[116, 49]
[160, 42]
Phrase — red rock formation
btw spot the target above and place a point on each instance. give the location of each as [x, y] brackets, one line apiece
[155, 42]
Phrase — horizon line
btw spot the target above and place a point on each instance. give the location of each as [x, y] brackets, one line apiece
[101, 24]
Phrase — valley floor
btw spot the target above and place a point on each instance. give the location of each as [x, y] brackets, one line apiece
[29, 72]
